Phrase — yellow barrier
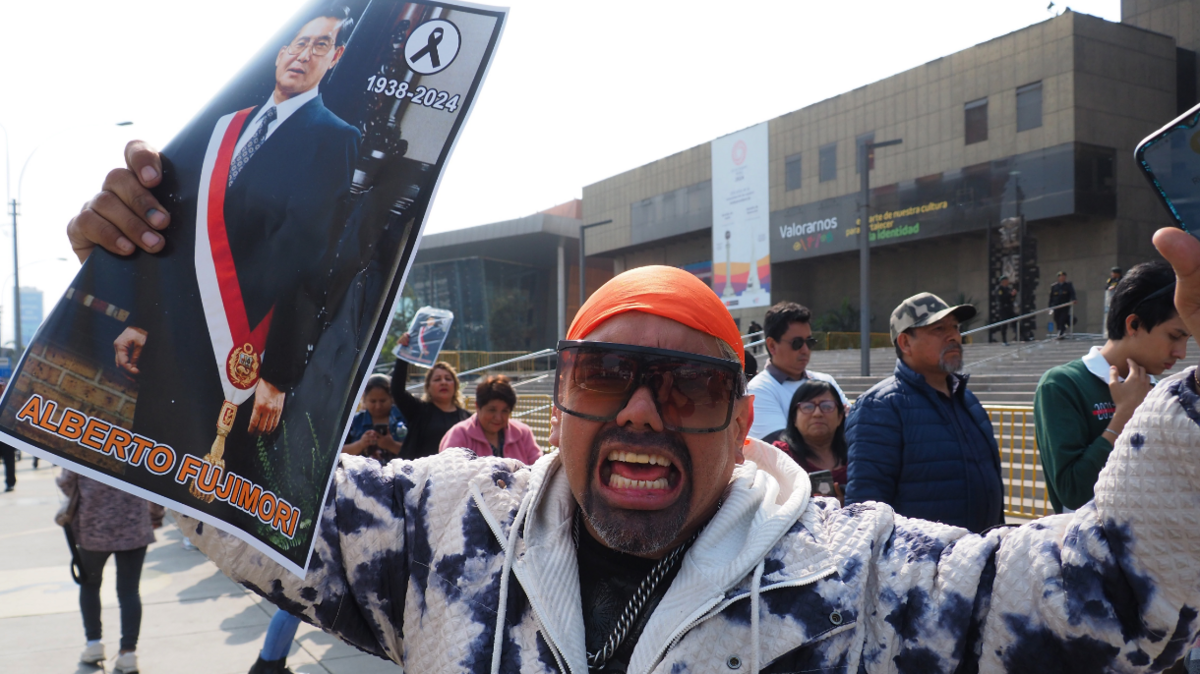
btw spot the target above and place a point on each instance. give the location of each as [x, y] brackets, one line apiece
[533, 411]
[1020, 464]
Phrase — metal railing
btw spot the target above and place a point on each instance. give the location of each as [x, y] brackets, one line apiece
[475, 361]
[829, 341]
[1038, 312]
[498, 366]
[1020, 463]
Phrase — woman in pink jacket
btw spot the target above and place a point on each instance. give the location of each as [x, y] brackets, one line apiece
[490, 432]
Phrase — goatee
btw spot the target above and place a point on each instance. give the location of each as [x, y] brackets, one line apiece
[638, 532]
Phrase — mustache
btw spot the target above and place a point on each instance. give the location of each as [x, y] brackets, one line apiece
[666, 443]
[952, 348]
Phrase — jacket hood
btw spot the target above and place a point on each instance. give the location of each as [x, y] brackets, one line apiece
[766, 495]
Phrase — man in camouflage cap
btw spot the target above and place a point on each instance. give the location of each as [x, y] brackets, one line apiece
[919, 440]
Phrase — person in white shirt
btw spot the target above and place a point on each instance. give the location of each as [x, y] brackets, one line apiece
[789, 343]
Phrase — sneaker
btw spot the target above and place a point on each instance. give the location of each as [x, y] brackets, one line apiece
[92, 655]
[270, 666]
[126, 663]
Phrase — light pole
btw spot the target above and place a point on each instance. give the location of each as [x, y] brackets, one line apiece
[17, 342]
[13, 204]
[864, 252]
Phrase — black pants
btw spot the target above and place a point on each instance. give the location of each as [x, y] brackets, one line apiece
[129, 576]
[10, 465]
[1003, 329]
[1061, 318]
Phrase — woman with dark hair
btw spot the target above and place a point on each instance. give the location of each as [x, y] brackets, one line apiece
[110, 523]
[815, 436]
[378, 431]
[491, 431]
[440, 408]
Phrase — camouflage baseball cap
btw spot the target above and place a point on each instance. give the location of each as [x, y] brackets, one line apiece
[923, 309]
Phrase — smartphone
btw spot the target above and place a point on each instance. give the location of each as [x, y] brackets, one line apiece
[1170, 160]
[381, 429]
[822, 483]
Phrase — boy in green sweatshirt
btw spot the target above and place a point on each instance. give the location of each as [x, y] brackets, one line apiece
[1081, 407]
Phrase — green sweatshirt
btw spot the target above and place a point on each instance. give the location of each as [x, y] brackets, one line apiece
[1071, 409]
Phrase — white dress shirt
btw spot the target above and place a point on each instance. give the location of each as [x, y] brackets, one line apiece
[282, 112]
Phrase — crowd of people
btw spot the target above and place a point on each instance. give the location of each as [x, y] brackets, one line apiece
[921, 442]
[676, 528]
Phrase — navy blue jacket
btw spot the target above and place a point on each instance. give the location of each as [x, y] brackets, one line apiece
[906, 450]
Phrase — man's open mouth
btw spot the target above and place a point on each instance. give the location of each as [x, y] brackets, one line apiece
[623, 470]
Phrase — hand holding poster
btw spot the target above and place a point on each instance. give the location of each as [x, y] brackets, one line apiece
[425, 337]
[217, 376]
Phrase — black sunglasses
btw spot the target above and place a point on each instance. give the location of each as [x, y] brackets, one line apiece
[798, 342]
[692, 393]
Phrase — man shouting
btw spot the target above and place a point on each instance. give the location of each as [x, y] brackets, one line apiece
[657, 539]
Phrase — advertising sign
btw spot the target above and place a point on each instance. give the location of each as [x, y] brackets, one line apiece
[218, 376]
[1038, 185]
[426, 335]
[741, 218]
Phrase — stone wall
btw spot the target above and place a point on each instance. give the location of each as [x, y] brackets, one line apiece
[71, 380]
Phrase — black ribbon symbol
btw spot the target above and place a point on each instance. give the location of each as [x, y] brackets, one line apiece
[431, 48]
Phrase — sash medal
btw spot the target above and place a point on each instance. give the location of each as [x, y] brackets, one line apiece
[238, 348]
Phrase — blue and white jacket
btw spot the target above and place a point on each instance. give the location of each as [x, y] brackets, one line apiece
[457, 563]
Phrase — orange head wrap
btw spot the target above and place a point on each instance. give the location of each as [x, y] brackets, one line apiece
[669, 292]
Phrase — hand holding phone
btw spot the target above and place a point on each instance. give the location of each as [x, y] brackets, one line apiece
[1170, 160]
[822, 483]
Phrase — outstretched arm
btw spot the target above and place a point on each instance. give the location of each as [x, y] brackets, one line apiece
[355, 588]
[1112, 587]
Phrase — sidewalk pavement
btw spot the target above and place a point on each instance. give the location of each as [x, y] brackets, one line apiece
[194, 619]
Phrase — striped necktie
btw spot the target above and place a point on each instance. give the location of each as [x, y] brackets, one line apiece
[255, 142]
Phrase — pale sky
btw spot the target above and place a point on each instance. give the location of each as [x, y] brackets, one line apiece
[579, 91]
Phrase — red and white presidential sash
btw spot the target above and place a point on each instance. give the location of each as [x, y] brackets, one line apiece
[238, 345]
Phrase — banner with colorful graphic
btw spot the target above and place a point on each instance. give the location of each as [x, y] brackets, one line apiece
[218, 377]
[741, 264]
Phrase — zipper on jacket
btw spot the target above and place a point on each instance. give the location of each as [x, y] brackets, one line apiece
[713, 609]
[541, 625]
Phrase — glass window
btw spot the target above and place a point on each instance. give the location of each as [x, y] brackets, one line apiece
[791, 172]
[1029, 106]
[858, 148]
[976, 121]
[828, 162]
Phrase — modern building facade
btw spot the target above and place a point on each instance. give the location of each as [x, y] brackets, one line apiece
[512, 285]
[1036, 127]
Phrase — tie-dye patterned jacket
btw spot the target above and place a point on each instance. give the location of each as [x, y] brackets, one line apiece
[457, 563]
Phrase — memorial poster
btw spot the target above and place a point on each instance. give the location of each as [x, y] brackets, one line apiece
[218, 376]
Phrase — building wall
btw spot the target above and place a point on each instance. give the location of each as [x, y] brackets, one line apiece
[56, 372]
[1103, 83]
[1177, 18]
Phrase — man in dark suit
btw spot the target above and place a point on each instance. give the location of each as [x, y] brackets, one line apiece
[290, 167]
[1060, 293]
